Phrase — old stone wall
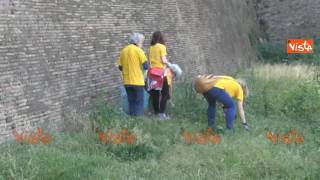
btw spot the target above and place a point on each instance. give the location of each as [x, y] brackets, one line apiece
[289, 19]
[57, 55]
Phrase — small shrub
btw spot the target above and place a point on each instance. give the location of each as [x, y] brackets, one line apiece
[103, 114]
[271, 52]
[187, 103]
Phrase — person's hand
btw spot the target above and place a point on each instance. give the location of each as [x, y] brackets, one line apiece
[169, 64]
[245, 125]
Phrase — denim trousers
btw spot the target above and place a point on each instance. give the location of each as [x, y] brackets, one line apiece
[136, 99]
[219, 95]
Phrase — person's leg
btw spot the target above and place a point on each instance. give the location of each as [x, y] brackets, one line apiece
[229, 106]
[211, 109]
[155, 97]
[139, 106]
[165, 96]
[131, 98]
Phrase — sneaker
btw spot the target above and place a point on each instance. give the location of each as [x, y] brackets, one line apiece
[168, 117]
[163, 117]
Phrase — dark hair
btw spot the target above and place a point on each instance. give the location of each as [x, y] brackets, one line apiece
[157, 37]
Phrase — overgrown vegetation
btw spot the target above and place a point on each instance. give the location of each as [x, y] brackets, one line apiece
[282, 98]
[275, 52]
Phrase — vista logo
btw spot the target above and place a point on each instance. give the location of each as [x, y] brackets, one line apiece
[300, 46]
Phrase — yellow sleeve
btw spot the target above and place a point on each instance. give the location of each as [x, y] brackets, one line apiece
[240, 95]
[163, 51]
[142, 56]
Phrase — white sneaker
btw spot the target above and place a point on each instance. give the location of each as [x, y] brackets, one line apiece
[164, 117]
[168, 117]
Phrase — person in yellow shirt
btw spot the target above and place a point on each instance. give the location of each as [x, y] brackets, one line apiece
[131, 62]
[158, 59]
[223, 89]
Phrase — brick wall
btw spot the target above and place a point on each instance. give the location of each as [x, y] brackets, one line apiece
[57, 55]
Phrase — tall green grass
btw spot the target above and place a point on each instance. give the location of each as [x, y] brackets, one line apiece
[279, 102]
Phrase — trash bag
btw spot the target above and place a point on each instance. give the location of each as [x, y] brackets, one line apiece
[176, 69]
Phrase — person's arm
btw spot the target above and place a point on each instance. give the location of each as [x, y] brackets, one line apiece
[163, 55]
[165, 60]
[146, 65]
[143, 59]
[242, 114]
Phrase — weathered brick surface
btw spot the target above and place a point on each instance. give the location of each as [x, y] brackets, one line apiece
[285, 19]
[56, 55]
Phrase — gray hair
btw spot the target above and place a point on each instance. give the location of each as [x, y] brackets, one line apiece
[135, 38]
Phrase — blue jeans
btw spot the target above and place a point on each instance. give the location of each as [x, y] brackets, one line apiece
[135, 98]
[230, 110]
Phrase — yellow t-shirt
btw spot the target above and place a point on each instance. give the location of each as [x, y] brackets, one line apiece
[131, 59]
[231, 86]
[155, 53]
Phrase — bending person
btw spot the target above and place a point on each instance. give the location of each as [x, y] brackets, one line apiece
[223, 89]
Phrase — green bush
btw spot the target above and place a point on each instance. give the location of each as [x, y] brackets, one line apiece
[269, 52]
[272, 53]
[187, 103]
[104, 114]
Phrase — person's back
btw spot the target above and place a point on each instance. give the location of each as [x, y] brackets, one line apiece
[156, 52]
[231, 86]
[204, 83]
[131, 59]
[131, 63]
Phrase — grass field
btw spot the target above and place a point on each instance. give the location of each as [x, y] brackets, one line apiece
[282, 98]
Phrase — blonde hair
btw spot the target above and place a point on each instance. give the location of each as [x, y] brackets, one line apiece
[244, 86]
[203, 83]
